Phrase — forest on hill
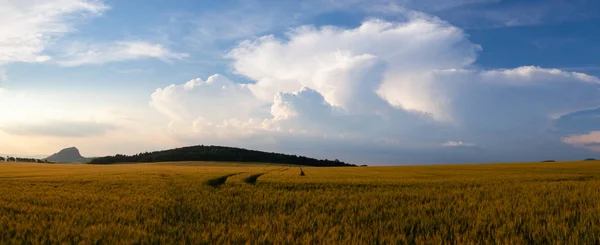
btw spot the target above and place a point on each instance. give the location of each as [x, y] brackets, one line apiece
[217, 153]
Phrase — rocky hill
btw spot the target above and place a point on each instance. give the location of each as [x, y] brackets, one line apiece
[68, 155]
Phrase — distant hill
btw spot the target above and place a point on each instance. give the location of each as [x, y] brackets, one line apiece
[217, 153]
[68, 155]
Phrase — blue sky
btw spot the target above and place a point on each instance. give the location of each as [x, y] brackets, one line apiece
[375, 82]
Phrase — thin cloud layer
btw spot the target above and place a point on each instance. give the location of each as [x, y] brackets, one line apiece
[408, 85]
[458, 144]
[78, 55]
[589, 141]
[67, 128]
[42, 117]
[27, 27]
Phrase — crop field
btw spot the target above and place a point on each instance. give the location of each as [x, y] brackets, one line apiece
[215, 203]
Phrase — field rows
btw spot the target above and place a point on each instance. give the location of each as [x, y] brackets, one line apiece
[549, 203]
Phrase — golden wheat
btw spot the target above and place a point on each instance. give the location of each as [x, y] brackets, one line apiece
[194, 203]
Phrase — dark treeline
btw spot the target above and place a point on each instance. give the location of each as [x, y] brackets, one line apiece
[217, 153]
[19, 159]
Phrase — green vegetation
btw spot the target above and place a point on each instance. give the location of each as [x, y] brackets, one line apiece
[22, 159]
[217, 153]
[177, 203]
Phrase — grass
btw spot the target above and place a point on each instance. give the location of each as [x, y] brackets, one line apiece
[531, 203]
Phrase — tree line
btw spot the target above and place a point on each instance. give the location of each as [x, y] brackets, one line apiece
[21, 159]
[217, 153]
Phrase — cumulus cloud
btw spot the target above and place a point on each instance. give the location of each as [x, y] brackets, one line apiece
[410, 85]
[26, 27]
[307, 112]
[323, 58]
[203, 106]
[82, 54]
[494, 99]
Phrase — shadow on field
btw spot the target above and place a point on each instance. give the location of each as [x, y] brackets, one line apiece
[220, 180]
[253, 178]
[575, 178]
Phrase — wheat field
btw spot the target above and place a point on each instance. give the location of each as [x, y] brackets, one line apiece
[224, 203]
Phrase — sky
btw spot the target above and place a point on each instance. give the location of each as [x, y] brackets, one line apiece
[378, 82]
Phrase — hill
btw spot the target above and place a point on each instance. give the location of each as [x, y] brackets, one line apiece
[217, 153]
[68, 155]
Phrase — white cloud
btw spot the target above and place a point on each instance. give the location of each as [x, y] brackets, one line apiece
[411, 84]
[202, 107]
[82, 54]
[208, 30]
[249, 18]
[27, 27]
[494, 98]
[303, 111]
[392, 77]
[590, 140]
[457, 144]
[324, 59]
[395, 7]
[3, 75]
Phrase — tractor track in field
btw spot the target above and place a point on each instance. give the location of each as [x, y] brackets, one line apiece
[216, 182]
[252, 179]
